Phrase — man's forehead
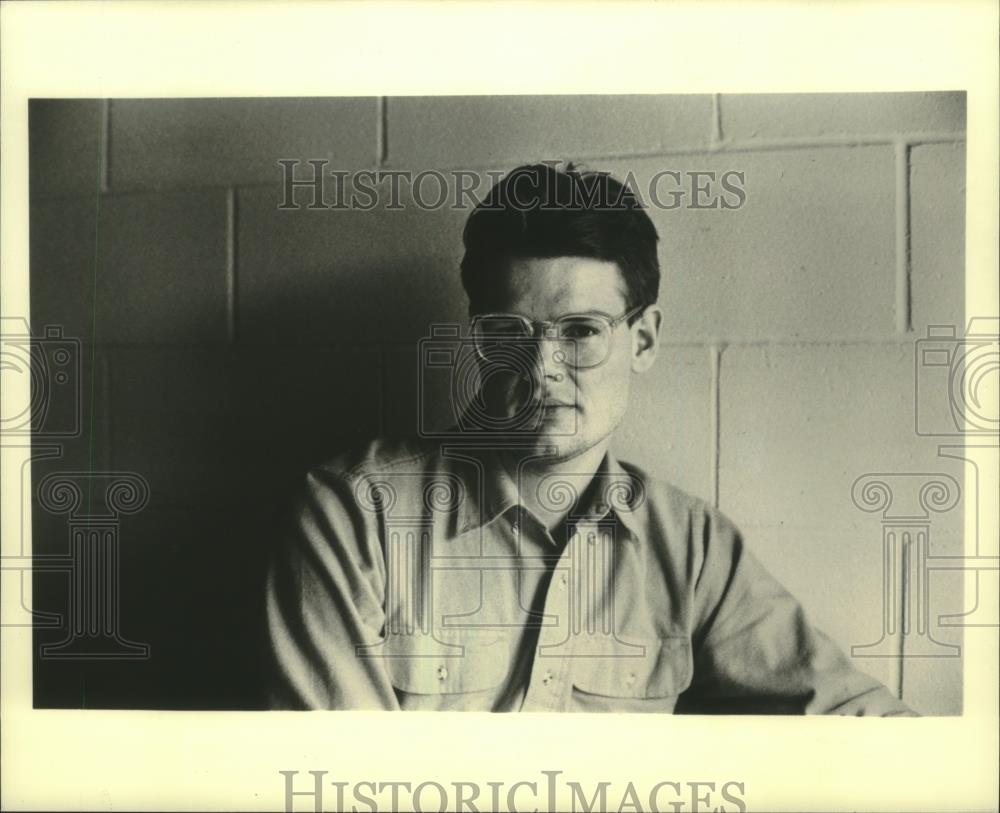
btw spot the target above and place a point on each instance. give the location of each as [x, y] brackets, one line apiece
[566, 283]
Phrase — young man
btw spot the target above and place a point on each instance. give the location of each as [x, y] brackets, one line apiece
[514, 564]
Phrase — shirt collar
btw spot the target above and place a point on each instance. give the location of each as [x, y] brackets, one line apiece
[614, 493]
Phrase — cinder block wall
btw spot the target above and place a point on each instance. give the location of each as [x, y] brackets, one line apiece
[229, 344]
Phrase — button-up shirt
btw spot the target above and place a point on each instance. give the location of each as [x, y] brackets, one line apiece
[412, 577]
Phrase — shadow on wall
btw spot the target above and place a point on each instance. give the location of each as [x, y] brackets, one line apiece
[223, 435]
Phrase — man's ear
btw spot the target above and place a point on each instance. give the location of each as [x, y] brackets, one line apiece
[646, 338]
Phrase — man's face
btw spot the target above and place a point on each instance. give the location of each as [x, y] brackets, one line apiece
[579, 408]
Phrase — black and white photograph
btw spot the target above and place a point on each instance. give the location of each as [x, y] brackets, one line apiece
[593, 402]
[552, 403]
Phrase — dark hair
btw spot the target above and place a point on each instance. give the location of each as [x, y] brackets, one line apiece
[538, 211]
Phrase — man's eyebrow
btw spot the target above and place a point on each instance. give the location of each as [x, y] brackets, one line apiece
[588, 312]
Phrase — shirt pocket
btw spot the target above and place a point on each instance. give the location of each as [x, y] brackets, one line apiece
[649, 680]
[459, 670]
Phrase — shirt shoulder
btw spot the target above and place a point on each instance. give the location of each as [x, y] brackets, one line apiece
[674, 517]
[380, 456]
[386, 474]
[663, 496]
[407, 479]
[341, 498]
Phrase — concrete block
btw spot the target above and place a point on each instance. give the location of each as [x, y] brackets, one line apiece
[152, 270]
[345, 276]
[161, 268]
[799, 423]
[68, 365]
[504, 131]
[304, 405]
[807, 251]
[63, 236]
[171, 419]
[210, 428]
[668, 427]
[780, 115]
[937, 236]
[404, 415]
[206, 142]
[64, 147]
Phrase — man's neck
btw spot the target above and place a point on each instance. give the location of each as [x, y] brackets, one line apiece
[578, 472]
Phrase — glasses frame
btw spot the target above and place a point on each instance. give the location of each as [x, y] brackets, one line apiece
[541, 329]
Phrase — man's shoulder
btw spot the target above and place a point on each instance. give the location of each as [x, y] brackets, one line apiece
[381, 456]
[672, 504]
[413, 475]
[659, 491]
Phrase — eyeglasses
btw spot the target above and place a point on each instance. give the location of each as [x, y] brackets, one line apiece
[584, 338]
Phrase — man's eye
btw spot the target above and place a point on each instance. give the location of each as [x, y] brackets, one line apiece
[580, 330]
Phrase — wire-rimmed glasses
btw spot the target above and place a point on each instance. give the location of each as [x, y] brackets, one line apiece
[584, 339]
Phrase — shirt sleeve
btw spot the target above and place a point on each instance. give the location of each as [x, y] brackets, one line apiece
[755, 651]
[325, 598]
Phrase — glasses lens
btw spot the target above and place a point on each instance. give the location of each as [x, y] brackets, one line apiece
[492, 333]
[586, 340]
[500, 326]
[583, 341]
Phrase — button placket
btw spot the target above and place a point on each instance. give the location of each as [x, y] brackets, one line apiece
[548, 688]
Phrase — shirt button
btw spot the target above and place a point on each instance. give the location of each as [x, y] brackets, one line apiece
[547, 677]
[563, 580]
[630, 680]
[442, 673]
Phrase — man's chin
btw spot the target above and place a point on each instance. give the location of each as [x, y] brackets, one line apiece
[551, 447]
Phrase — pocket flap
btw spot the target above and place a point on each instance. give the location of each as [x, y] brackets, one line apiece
[448, 663]
[662, 668]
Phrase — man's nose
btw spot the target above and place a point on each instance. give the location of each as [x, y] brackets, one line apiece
[550, 359]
